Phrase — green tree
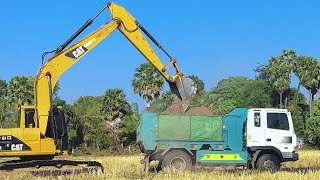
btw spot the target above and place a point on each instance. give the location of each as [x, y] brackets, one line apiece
[95, 132]
[3, 99]
[313, 130]
[88, 105]
[262, 72]
[135, 108]
[317, 108]
[147, 82]
[114, 107]
[307, 69]
[231, 88]
[289, 57]
[256, 94]
[279, 73]
[298, 116]
[3, 85]
[127, 133]
[200, 99]
[236, 92]
[88, 123]
[20, 90]
[297, 105]
[74, 124]
[199, 82]
[11, 120]
[75, 127]
[226, 95]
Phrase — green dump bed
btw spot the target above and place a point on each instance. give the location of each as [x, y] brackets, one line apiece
[189, 128]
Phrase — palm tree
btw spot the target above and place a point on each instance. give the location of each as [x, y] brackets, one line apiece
[114, 107]
[20, 90]
[147, 82]
[307, 69]
[289, 56]
[3, 85]
[279, 73]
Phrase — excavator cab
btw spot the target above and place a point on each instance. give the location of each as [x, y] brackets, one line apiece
[56, 131]
[26, 117]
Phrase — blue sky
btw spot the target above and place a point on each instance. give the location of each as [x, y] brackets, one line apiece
[211, 39]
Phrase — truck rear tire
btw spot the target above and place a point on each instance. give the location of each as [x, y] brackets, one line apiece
[177, 160]
[268, 162]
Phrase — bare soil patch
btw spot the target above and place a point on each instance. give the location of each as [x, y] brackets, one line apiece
[176, 109]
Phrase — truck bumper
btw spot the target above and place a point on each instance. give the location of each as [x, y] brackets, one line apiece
[295, 157]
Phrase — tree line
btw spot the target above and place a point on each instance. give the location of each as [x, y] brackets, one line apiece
[109, 121]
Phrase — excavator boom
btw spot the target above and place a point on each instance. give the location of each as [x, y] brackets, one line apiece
[50, 71]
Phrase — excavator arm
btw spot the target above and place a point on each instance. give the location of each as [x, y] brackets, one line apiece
[64, 58]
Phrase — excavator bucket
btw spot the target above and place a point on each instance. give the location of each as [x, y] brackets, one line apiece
[185, 89]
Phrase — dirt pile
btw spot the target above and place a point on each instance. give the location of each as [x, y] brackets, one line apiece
[199, 111]
[176, 109]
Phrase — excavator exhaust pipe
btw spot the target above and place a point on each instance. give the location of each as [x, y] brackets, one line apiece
[185, 89]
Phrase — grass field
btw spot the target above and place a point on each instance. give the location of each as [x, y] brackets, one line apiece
[129, 167]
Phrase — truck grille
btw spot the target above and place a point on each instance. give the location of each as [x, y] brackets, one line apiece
[287, 155]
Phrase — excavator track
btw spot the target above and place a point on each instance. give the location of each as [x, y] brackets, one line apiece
[78, 167]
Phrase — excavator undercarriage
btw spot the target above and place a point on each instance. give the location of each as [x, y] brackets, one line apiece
[52, 167]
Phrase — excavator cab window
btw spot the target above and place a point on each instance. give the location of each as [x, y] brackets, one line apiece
[29, 118]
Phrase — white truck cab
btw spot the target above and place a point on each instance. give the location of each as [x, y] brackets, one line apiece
[271, 131]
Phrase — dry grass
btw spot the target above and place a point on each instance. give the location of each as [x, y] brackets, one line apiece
[308, 167]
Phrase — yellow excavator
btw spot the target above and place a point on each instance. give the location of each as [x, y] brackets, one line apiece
[42, 132]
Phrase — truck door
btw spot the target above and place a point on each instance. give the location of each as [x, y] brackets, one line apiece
[279, 131]
[255, 126]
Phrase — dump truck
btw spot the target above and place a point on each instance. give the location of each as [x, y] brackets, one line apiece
[250, 138]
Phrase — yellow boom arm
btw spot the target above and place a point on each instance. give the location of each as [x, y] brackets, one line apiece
[50, 71]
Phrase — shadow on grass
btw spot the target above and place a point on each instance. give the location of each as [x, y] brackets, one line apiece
[244, 170]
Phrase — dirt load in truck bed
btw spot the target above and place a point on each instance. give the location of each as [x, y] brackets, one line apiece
[176, 109]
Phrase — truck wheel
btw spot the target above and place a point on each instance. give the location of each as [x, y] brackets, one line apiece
[177, 161]
[268, 162]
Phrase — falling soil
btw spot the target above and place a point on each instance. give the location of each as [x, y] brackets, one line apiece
[176, 109]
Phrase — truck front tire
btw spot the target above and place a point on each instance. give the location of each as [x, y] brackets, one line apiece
[268, 162]
[177, 160]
